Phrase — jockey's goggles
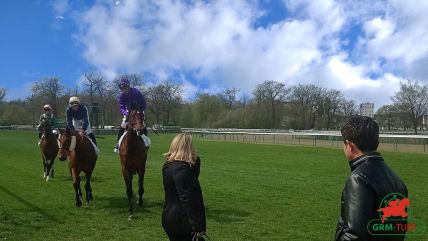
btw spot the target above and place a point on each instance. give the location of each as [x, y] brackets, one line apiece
[74, 103]
[47, 109]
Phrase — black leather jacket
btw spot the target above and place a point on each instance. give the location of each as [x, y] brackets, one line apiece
[371, 180]
[184, 210]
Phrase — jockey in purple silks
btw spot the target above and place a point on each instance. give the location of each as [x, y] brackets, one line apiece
[129, 95]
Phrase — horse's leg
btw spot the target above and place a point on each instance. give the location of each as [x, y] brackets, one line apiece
[49, 169]
[45, 174]
[88, 187]
[127, 176]
[140, 187]
[51, 173]
[76, 185]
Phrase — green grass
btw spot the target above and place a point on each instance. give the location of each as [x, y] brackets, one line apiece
[251, 192]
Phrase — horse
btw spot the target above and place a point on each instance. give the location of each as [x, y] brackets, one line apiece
[133, 156]
[48, 149]
[82, 157]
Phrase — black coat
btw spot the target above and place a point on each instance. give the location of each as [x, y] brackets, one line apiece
[370, 182]
[184, 210]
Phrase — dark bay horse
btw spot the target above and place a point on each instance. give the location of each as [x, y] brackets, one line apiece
[48, 149]
[82, 157]
[133, 156]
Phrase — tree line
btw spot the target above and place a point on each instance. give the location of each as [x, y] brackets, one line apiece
[271, 105]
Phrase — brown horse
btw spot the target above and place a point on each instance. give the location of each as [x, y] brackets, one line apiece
[133, 156]
[82, 157]
[48, 149]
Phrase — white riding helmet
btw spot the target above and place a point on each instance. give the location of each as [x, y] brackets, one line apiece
[47, 107]
[74, 100]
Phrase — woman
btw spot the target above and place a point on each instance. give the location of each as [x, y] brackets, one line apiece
[183, 216]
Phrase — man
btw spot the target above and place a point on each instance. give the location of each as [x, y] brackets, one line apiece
[78, 118]
[371, 180]
[48, 115]
[128, 96]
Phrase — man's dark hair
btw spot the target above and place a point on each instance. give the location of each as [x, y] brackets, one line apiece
[363, 132]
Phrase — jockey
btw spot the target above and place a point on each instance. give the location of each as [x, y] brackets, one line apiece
[128, 95]
[48, 115]
[78, 118]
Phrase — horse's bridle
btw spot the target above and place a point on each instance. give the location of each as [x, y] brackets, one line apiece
[142, 122]
[71, 147]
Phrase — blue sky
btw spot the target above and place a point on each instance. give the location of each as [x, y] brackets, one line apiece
[362, 48]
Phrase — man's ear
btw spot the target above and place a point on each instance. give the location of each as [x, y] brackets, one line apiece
[349, 145]
[352, 147]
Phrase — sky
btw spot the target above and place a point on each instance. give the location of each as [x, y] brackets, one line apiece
[362, 48]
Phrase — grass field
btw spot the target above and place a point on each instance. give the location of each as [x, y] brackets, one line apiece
[251, 192]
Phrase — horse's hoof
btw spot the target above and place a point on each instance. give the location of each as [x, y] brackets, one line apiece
[48, 178]
[44, 175]
[130, 217]
[140, 203]
[78, 203]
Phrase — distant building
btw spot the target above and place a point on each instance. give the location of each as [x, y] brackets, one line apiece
[367, 109]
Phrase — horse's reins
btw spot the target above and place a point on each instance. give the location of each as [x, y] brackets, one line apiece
[72, 144]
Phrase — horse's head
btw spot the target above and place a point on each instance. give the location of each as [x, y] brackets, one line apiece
[44, 127]
[136, 119]
[67, 141]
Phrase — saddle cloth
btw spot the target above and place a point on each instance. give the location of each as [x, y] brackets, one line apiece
[97, 150]
[145, 139]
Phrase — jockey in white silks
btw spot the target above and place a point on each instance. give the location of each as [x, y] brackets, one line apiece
[78, 118]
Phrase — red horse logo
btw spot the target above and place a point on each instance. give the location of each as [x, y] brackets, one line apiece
[395, 208]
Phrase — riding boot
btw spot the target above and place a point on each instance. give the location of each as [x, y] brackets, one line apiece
[120, 133]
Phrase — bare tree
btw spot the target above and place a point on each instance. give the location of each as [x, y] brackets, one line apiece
[385, 116]
[413, 98]
[332, 100]
[49, 90]
[305, 98]
[163, 99]
[230, 96]
[172, 97]
[155, 101]
[274, 93]
[96, 87]
[3, 92]
[348, 108]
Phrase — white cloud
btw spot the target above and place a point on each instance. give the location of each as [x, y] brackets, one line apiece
[219, 44]
[60, 7]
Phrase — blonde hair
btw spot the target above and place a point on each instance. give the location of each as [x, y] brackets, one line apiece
[181, 149]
